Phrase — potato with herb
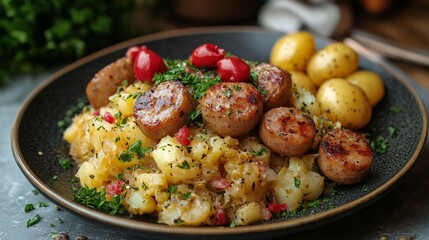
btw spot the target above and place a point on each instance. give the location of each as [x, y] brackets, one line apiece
[345, 102]
[293, 51]
[301, 80]
[371, 83]
[145, 192]
[336, 60]
[171, 159]
[298, 182]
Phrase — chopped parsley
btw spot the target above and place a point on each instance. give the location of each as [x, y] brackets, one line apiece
[184, 165]
[227, 93]
[379, 145]
[172, 189]
[392, 131]
[144, 186]
[296, 182]
[97, 200]
[260, 152]
[396, 109]
[177, 70]
[66, 163]
[35, 192]
[365, 188]
[186, 196]
[194, 116]
[43, 204]
[29, 207]
[34, 220]
[135, 148]
[71, 112]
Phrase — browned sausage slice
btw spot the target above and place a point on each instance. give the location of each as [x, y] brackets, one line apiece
[276, 85]
[345, 156]
[287, 131]
[162, 110]
[107, 80]
[232, 109]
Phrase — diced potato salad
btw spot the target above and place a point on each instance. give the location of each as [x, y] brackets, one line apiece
[221, 180]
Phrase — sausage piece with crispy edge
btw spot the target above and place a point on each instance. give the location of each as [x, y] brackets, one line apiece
[276, 85]
[163, 109]
[232, 108]
[107, 80]
[345, 156]
[287, 131]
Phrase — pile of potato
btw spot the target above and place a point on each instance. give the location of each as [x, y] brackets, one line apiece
[331, 77]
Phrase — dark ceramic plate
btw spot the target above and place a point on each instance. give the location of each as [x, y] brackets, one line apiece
[37, 143]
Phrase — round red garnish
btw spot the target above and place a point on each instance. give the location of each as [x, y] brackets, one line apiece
[207, 55]
[115, 187]
[183, 136]
[147, 63]
[221, 218]
[108, 117]
[276, 207]
[233, 69]
[133, 51]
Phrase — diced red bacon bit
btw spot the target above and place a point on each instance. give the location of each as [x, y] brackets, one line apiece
[276, 207]
[267, 214]
[96, 113]
[183, 136]
[115, 187]
[221, 218]
[108, 117]
[261, 167]
[220, 183]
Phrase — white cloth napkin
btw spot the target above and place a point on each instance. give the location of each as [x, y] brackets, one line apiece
[291, 15]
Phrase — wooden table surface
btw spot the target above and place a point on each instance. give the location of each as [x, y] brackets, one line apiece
[407, 24]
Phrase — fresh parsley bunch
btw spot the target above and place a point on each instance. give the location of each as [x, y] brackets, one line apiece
[37, 34]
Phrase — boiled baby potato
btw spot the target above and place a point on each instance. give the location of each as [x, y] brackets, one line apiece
[333, 61]
[370, 82]
[345, 102]
[301, 80]
[293, 51]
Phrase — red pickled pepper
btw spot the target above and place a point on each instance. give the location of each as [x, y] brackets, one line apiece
[146, 64]
[207, 55]
[233, 69]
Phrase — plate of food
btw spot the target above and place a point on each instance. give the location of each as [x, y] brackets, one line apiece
[219, 132]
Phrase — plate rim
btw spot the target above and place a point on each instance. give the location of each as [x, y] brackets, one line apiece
[293, 225]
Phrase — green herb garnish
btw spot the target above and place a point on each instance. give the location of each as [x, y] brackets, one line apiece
[260, 152]
[379, 145]
[184, 165]
[97, 200]
[396, 109]
[172, 189]
[43, 204]
[66, 163]
[33, 220]
[296, 182]
[29, 207]
[135, 148]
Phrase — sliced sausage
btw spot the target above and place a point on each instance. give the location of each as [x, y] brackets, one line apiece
[344, 156]
[232, 109]
[107, 80]
[162, 110]
[287, 131]
[275, 84]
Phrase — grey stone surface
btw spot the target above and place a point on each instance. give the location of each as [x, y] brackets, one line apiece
[402, 213]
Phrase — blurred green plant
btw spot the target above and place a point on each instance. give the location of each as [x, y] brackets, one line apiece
[38, 34]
